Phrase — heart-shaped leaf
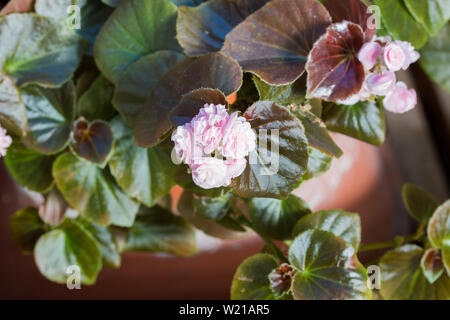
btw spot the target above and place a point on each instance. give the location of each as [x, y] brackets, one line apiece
[342, 224]
[431, 264]
[12, 110]
[318, 163]
[104, 238]
[274, 42]
[214, 70]
[135, 29]
[419, 203]
[334, 70]
[95, 102]
[439, 226]
[327, 268]
[251, 280]
[29, 168]
[159, 230]
[35, 50]
[93, 192]
[191, 103]
[92, 141]
[351, 10]
[224, 228]
[202, 29]
[50, 113]
[276, 218]
[26, 227]
[144, 174]
[402, 277]
[70, 244]
[435, 58]
[363, 121]
[281, 159]
[283, 95]
[433, 14]
[400, 24]
[135, 85]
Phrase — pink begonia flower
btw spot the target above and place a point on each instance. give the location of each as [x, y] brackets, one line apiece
[235, 167]
[208, 126]
[5, 142]
[185, 147]
[394, 56]
[369, 53]
[380, 84]
[239, 138]
[209, 172]
[411, 54]
[401, 99]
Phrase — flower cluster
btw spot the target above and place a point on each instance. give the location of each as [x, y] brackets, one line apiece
[5, 142]
[214, 146]
[381, 58]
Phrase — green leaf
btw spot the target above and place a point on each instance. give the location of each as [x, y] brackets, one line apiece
[402, 277]
[112, 3]
[400, 24]
[318, 163]
[95, 103]
[191, 103]
[214, 70]
[363, 121]
[433, 14]
[342, 224]
[92, 141]
[29, 168]
[105, 241]
[283, 95]
[274, 42]
[159, 230]
[135, 85]
[12, 110]
[327, 268]
[26, 227]
[50, 113]
[435, 58]
[202, 29]
[419, 203]
[225, 228]
[68, 245]
[276, 218]
[431, 264]
[135, 29]
[144, 174]
[212, 208]
[35, 50]
[93, 192]
[251, 280]
[271, 172]
[439, 226]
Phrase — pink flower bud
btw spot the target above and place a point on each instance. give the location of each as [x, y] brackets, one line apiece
[401, 99]
[5, 142]
[369, 53]
[209, 172]
[380, 84]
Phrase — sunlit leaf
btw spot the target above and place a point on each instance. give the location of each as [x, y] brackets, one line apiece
[275, 41]
[439, 226]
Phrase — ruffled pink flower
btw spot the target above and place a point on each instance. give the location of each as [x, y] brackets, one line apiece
[394, 56]
[208, 126]
[369, 53]
[401, 99]
[380, 84]
[209, 172]
[411, 54]
[5, 142]
[239, 138]
[185, 147]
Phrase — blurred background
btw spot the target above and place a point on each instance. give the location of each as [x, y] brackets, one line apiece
[366, 180]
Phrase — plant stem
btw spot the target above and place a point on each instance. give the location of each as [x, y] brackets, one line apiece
[268, 241]
[398, 241]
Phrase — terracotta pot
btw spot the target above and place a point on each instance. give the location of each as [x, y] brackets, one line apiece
[356, 182]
